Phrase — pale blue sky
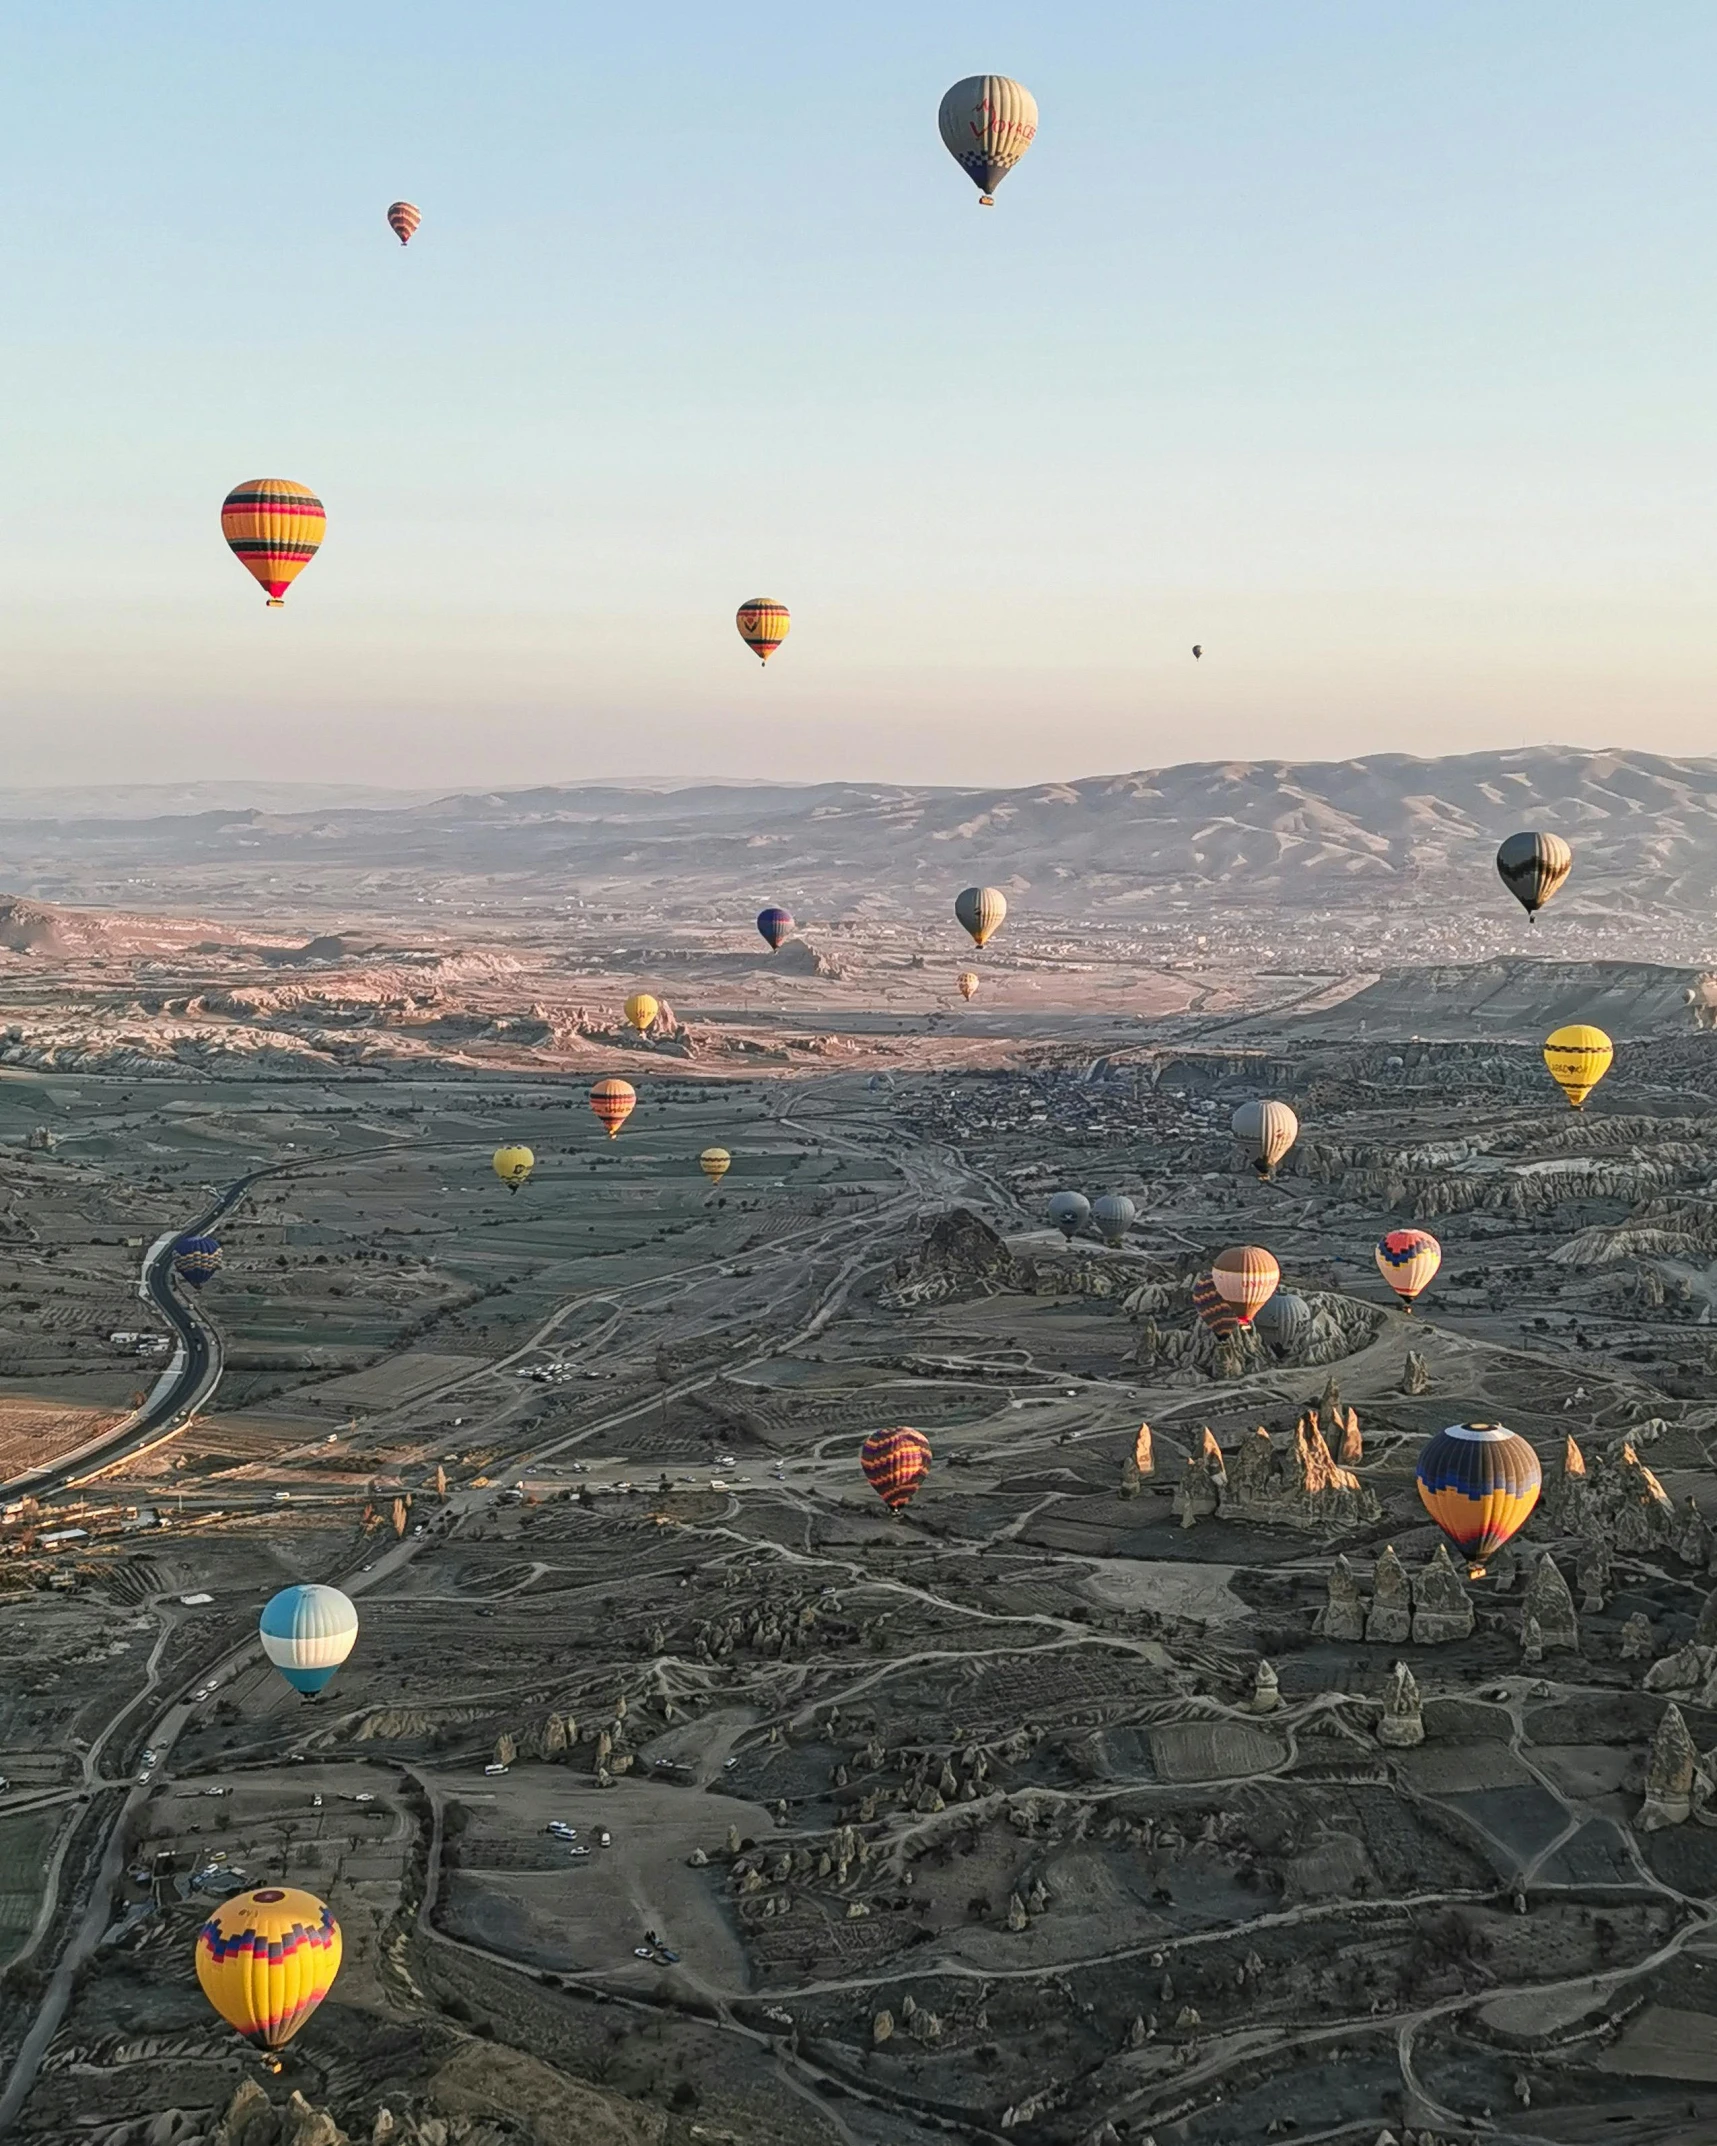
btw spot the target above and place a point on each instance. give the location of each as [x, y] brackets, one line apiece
[1370, 346]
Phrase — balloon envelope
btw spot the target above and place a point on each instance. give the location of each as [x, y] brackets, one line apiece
[1214, 1308]
[981, 910]
[1267, 1130]
[512, 1165]
[1532, 867]
[613, 1101]
[196, 1259]
[763, 625]
[775, 925]
[404, 218]
[266, 1959]
[641, 1010]
[1114, 1214]
[1578, 1058]
[307, 1632]
[1246, 1275]
[987, 123]
[895, 1464]
[1408, 1260]
[715, 1164]
[275, 529]
[968, 981]
[1284, 1321]
[1479, 1483]
[1069, 1211]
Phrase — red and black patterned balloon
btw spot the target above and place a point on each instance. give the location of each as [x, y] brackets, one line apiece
[895, 1464]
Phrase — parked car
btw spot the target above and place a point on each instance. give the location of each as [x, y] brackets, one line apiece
[492, 1770]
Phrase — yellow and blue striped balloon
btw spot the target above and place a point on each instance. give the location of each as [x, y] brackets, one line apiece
[1479, 1483]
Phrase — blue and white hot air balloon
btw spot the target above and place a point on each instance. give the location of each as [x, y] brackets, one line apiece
[196, 1260]
[307, 1632]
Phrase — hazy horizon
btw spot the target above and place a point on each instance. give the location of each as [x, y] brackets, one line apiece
[1362, 350]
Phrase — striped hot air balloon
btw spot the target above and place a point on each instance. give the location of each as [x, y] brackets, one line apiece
[275, 528]
[981, 910]
[512, 1165]
[1214, 1308]
[987, 122]
[404, 218]
[1578, 1058]
[715, 1164]
[1247, 1276]
[968, 982]
[895, 1464]
[1479, 1483]
[196, 1260]
[776, 925]
[267, 1959]
[307, 1632]
[1114, 1214]
[763, 625]
[1408, 1260]
[641, 1010]
[613, 1102]
[1532, 867]
[1268, 1130]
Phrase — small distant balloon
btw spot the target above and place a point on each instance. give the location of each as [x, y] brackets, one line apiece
[275, 528]
[776, 925]
[968, 982]
[981, 911]
[1069, 1211]
[987, 123]
[895, 1464]
[1198, 648]
[512, 1165]
[715, 1164]
[1246, 1275]
[613, 1102]
[1532, 867]
[1578, 1057]
[307, 1632]
[1268, 1130]
[404, 218]
[1479, 1482]
[196, 1260]
[641, 1010]
[1408, 1260]
[763, 625]
[1284, 1321]
[1114, 1214]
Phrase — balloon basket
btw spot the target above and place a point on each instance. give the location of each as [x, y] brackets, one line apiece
[986, 201]
[274, 603]
[1475, 1572]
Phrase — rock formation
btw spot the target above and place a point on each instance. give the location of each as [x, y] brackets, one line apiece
[1403, 1722]
[1442, 1609]
[1266, 1690]
[1416, 1376]
[1144, 1453]
[1296, 1484]
[1669, 1774]
[1389, 1621]
[1567, 1495]
[1343, 1615]
[1200, 1493]
[1551, 1607]
[1592, 1574]
[1531, 1639]
[1637, 1638]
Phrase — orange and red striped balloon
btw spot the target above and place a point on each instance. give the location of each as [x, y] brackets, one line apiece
[404, 218]
[1246, 1275]
[613, 1102]
[275, 529]
[763, 625]
[895, 1464]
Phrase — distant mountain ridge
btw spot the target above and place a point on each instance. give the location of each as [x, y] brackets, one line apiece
[1644, 828]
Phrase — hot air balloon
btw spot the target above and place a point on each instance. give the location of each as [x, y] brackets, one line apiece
[987, 124]
[267, 1959]
[512, 1165]
[895, 1464]
[763, 625]
[981, 910]
[1069, 1211]
[1479, 1483]
[1532, 867]
[307, 1632]
[196, 1260]
[1284, 1321]
[715, 1164]
[275, 528]
[1408, 1259]
[1269, 1130]
[1247, 1276]
[775, 925]
[1214, 1308]
[613, 1101]
[1114, 1214]
[641, 1010]
[1578, 1058]
[968, 982]
[404, 216]
[1197, 648]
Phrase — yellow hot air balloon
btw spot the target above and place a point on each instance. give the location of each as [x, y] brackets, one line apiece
[267, 1959]
[1578, 1058]
[763, 625]
[981, 910]
[513, 1165]
[968, 981]
[715, 1164]
[641, 1010]
[613, 1102]
[275, 528]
